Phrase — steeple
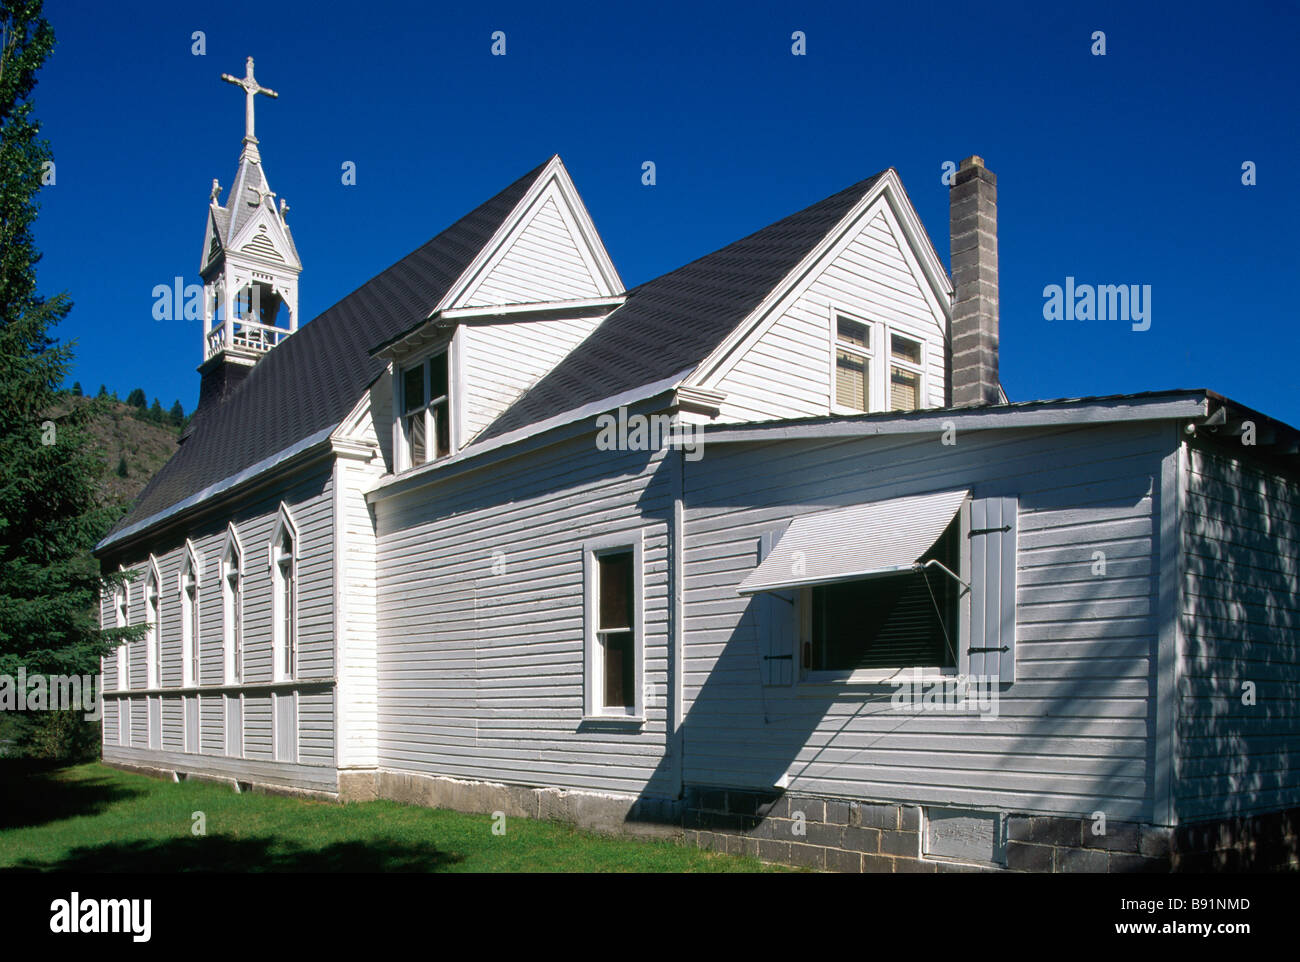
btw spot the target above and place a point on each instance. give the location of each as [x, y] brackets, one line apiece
[249, 267]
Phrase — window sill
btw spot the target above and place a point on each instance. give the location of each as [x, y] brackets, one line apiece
[887, 678]
[617, 719]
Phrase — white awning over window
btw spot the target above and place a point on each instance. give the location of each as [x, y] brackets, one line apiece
[861, 541]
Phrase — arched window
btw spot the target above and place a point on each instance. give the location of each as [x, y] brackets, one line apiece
[284, 582]
[232, 596]
[153, 640]
[190, 641]
[122, 614]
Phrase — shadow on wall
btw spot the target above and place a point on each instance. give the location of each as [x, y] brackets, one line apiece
[853, 743]
[1238, 727]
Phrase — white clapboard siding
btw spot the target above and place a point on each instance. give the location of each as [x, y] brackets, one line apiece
[356, 617]
[309, 498]
[503, 360]
[1240, 623]
[481, 671]
[543, 262]
[1072, 736]
[787, 372]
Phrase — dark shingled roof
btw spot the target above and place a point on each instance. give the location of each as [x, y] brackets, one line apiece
[312, 380]
[675, 321]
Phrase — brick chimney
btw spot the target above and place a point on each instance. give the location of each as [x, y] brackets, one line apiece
[973, 229]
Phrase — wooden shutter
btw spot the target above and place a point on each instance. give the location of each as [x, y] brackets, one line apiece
[992, 639]
[778, 623]
[286, 727]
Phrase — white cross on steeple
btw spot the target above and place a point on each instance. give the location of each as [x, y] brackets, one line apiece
[251, 89]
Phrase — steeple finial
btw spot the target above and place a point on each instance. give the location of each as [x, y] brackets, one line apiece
[251, 89]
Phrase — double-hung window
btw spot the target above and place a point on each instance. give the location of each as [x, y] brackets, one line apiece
[615, 632]
[425, 411]
[905, 355]
[875, 367]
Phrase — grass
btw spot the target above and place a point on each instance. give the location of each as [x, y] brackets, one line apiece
[93, 818]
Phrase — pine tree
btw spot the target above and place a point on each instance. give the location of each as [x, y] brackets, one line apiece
[177, 414]
[103, 391]
[76, 389]
[156, 412]
[137, 399]
[49, 516]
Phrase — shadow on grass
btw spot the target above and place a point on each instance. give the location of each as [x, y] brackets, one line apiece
[219, 853]
[34, 794]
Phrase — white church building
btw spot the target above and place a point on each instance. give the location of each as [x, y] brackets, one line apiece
[852, 610]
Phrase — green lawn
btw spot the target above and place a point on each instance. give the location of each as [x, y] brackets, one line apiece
[96, 819]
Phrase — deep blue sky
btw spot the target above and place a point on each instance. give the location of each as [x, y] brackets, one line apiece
[1117, 169]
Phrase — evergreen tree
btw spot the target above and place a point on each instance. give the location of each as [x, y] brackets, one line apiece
[121, 466]
[156, 412]
[76, 389]
[49, 516]
[137, 399]
[103, 391]
[177, 414]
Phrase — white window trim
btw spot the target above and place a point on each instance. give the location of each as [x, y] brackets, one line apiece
[401, 443]
[885, 676]
[153, 638]
[593, 674]
[880, 358]
[191, 615]
[232, 645]
[122, 619]
[279, 641]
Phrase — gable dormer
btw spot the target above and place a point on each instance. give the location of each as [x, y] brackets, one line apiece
[534, 292]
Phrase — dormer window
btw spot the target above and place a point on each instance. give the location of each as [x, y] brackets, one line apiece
[426, 411]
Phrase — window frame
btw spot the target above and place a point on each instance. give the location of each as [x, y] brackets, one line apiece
[880, 358]
[284, 623]
[594, 708]
[191, 618]
[401, 435]
[232, 609]
[153, 585]
[883, 676]
[917, 368]
[122, 619]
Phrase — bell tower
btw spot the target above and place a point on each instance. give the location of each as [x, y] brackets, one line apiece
[249, 267]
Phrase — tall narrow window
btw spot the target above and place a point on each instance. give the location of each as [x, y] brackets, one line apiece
[190, 642]
[122, 609]
[613, 572]
[904, 373]
[153, 640]
[232, 592]
[426, 411]
[284, 576]
[852, 364]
